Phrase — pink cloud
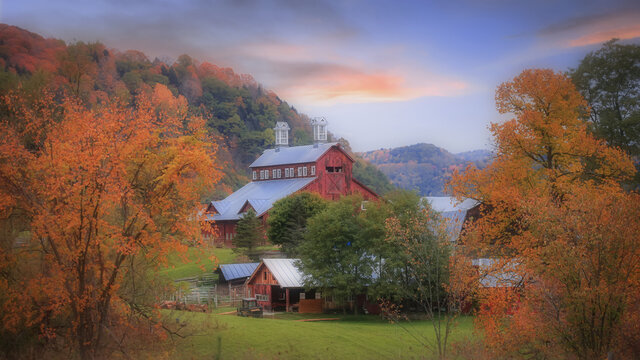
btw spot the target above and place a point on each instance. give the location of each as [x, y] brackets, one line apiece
[598, 37]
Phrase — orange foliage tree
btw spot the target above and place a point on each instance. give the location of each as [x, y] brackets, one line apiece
[99, 188]
[552, 205]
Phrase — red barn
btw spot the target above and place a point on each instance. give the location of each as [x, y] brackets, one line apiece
[323, 168]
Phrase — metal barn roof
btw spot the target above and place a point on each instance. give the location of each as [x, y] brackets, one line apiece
[292, 155]
[452, 211]
[260, 194]
[237, 271]
[447, 204]
[285, 272]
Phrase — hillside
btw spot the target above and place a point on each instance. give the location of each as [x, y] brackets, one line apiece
[422, 167]
[240, 113]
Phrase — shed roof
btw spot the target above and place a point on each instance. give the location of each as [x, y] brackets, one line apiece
[237, 271]
[260, 194]
[285, 271]
[292, 155]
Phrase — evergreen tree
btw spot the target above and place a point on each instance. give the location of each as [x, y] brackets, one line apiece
[249, 235]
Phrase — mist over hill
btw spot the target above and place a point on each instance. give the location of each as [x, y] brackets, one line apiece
[423, 167]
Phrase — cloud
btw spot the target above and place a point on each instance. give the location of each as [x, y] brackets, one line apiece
[594, 29]
[338, 83]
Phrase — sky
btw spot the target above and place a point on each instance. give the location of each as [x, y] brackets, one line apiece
[383, 73]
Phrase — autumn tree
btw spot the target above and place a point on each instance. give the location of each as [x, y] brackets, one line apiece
[97, 188]
[438, 281]
[288, 220]
[553, 209]
[249, 235]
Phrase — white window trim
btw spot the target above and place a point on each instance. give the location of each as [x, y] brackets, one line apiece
[286, 172]
[292, 173]
[266, 174]
[261, 174]
[313, 170]
[299, 171]
[255, 175]
[274, 172]
[279, 173]
[304, 171]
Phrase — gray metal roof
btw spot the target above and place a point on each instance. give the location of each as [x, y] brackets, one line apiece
[446, 203]
[237, 271]
[260, 194]
[285, 272]
[292, 155]
[452, 211]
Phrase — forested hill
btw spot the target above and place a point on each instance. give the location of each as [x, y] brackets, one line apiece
[423, 167]
[240, 113]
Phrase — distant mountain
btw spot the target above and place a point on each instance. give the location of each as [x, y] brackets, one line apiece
[423, 167]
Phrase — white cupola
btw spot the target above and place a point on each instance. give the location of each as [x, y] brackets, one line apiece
[319, 125]
[282, 134]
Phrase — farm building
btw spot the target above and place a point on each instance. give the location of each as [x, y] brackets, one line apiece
[454, 212]
[278, 284]
[323, 168]
[235, 274]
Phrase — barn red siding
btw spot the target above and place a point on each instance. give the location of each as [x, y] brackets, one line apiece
[334, 179]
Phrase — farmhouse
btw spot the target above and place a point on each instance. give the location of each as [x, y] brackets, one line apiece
[323, 168]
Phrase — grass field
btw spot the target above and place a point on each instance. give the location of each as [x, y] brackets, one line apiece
[196, 258]
[350, 337]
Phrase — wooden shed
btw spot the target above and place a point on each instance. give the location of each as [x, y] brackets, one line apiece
[277, 284]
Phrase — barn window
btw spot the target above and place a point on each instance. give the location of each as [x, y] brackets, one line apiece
[291, 173]
[261, 174]
[264, 275]
[286, 172]
[279, 173]
[304, 171]
[274, 172]
[299, 171]
[255, 175]
[266, 174]
[363, 205]
[330, 169]
[313, 170]
[337, 169]
[302, 296]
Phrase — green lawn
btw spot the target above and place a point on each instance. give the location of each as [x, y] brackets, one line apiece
[198, 257]
[362, 337]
